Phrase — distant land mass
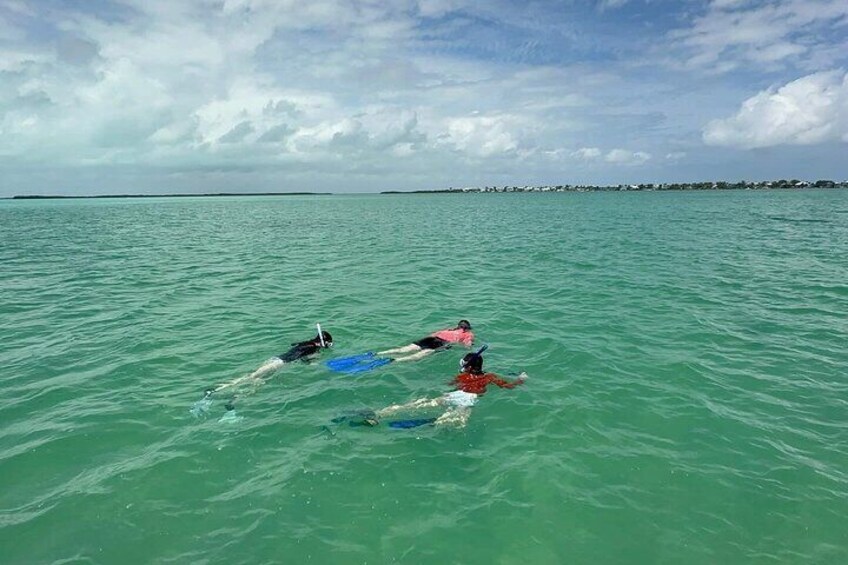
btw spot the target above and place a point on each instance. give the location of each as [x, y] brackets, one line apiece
[204, 195]
[709, 185]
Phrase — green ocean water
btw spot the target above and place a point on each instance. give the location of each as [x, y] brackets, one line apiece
[687, 399]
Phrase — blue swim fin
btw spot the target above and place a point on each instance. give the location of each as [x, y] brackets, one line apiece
[368, 418]
[405, 424]
[357, 363]
[340, 363]
[362, 367]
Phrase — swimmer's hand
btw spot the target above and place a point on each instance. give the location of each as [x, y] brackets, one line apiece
[522, 376]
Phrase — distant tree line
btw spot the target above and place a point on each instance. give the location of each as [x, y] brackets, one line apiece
[707, 185]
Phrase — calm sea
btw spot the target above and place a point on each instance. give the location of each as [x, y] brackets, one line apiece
[687, 400]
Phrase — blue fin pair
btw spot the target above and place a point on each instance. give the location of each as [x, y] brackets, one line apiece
[357, 363]
[367, 418]
[405, 424]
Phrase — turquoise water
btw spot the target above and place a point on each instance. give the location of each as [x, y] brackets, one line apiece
[687, 400]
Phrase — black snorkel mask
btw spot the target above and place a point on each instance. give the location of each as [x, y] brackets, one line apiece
[466, 360]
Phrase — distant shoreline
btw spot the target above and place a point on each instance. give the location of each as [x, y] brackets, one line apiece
[649, 187]
[203, 195]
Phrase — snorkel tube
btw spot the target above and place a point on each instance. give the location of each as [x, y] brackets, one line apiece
[478, 353]
[320, 335]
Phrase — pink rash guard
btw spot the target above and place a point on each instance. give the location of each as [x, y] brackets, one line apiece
[464, 337]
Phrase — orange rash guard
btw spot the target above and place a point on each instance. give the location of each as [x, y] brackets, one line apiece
[465, 337]
[476, 384]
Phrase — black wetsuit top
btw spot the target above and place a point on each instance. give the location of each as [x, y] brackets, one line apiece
[299, 351]
[431, 342]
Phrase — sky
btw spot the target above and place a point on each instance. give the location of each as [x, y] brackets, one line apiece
[194, 96]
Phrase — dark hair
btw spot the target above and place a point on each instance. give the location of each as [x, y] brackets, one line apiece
[328, 340]
[464, 324]
[472, 363]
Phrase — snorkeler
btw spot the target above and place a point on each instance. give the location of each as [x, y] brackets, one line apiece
[300, 351]
[468, 386]
[434, 342]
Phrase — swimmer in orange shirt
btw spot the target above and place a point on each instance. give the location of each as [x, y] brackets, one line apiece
[469, 385]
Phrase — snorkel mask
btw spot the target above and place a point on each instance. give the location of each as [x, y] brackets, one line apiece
[467, 359]
[324, 338]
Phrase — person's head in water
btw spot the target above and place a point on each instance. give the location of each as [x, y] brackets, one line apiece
[328, 339]
[464, 325]
[472, 363]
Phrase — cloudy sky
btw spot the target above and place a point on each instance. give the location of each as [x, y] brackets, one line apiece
[160, 96]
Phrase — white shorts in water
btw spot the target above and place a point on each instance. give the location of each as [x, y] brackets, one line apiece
[460, 399]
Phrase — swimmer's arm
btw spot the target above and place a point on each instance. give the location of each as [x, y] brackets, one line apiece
[503, 383]
[307, 359]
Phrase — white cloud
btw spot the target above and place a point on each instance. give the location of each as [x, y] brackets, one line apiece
[202, 81]
[735, 33]
[438, 8]
[483, 136]
[812, 109]
[614, 156]
[16, 60]
[184, 78]
[180, 131]
[627, 157]
[724, 4]
[162, 44]
[420, 87]
[325, 134]
[19, 7]
[263, 106]
[775, 52]
[390, 126]
[588, 153]
[611, 4]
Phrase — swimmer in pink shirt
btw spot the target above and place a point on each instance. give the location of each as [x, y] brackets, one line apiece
[434, 342]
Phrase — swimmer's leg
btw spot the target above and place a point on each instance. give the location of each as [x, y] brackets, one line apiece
[254, 379]
[418, 404]
[405, 349]
[455, 416]
[416, 356]
[267, 367]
